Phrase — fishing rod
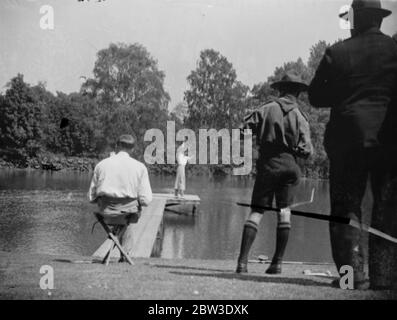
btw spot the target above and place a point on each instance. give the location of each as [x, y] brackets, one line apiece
[304, 202]
[318, 216]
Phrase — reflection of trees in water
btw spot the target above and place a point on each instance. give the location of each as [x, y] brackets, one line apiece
[40, 180]
[55, 217]
[215, 233]
[175, 228]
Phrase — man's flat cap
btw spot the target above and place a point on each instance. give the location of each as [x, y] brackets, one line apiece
[126, 139]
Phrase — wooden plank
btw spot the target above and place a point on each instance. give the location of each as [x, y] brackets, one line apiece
[145, 236]
[171, 197]
[144, 232]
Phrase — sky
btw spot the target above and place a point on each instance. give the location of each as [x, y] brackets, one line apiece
[256, 36]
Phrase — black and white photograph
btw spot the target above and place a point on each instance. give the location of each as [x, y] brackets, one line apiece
[216, 152]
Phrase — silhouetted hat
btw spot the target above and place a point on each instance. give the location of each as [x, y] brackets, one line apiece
[290, 80]
[372, 6]
[126, 139]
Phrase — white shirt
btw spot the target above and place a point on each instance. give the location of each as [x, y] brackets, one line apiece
[121, 176]
[181, 159]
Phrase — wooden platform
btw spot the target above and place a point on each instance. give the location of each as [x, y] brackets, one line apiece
[149, 226]
[172, 200]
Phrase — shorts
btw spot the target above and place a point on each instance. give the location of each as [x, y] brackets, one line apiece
[274, 183]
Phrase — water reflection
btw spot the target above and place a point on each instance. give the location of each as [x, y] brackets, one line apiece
[48, 213]
[176, 226]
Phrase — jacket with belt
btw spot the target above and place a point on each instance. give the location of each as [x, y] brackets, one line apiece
[280, 128]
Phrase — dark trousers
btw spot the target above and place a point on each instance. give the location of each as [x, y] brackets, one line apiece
[350, 169]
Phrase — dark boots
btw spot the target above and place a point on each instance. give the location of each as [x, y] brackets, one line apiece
[281, 244]
[249, 234]
[346, 245]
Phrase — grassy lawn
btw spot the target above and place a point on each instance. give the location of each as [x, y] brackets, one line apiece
[165, 279]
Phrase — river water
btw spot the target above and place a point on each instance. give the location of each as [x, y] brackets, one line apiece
[48, 212]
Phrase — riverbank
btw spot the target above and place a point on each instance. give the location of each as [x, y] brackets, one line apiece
[51, 162]
[165, 279]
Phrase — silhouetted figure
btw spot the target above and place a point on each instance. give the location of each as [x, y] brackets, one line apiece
[356, 79]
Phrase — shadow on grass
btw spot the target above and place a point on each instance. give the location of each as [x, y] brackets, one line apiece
[256, 278]
[187, 268]
[80, 261]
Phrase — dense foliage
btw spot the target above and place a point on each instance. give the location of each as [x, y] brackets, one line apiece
[126, 95]
[215, 99]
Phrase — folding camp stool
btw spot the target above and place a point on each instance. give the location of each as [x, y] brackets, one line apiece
[113, 229]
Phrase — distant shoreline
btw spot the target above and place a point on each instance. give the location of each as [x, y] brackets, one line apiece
[55, 163]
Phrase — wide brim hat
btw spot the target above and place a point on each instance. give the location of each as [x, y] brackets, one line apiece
[290, 80]
[370, 6]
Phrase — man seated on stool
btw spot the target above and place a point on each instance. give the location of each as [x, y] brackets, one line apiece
[120, 186]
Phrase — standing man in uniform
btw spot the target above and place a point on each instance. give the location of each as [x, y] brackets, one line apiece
[283, 134]
[356, 79]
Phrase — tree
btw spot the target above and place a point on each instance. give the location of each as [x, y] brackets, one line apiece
[128, 75]
[215, 98]
[129, 89]
[123, 120]
[83, 136]
[180, 112]
[318, 164]
[20, 120]
[316, 54]
[261, 92]
[297, 67]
